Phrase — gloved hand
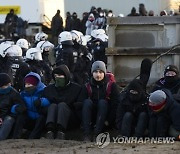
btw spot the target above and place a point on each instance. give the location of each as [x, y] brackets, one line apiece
[20, 108]
[37, 103]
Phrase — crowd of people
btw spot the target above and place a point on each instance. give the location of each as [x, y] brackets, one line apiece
[96, 18]
[47, 89]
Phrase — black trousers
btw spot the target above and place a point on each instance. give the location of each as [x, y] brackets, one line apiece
[35, 126]
[61, 115]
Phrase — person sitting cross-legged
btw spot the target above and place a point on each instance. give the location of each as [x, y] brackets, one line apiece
[99, 101]
[62, 95]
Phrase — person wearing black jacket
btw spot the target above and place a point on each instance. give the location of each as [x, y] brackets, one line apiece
[37, 65]
[67, 54]
[76, 23]
[98, 50]
[132, 116]
[97, 107]
[9, 97]
[170, 81]
[62, 96]
[56, 26]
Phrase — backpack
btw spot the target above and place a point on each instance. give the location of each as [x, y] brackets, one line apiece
[111, 80]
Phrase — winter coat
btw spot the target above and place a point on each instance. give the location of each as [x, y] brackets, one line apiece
[100, 23]
[90, 25]
[68, 56]
[173, 87]
[8, 100]
[76, 24]
[99, 91]
[29, 99]
[6, 64]
[134, 104]
[19, 69]
[42, 69]
[99, 52]
[67, 94]
[83, 65]
[172, 110]
[57, 25]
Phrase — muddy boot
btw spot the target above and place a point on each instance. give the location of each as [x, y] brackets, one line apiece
[49, 135]
[60, 135]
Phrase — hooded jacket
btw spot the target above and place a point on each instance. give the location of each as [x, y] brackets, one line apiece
[67, 94]
[29, 99]
[132, 103]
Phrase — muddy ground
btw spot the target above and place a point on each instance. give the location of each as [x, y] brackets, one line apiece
[44, 146]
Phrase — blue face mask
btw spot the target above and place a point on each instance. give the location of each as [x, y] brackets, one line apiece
[6, 90]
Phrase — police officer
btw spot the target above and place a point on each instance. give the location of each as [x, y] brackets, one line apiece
[83, 65]
[37, 65]
[67, 55]
[46, 48]
[5, 61]
[19, 67]
[24, 44]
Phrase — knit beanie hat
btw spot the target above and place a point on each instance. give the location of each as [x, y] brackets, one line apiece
[157, 100]
[98, 65]
[4, 79]
[31, 80]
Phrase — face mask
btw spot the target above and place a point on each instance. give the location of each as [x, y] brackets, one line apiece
[30, 90]
[170, 79]
[134, 97]
[60, 82]
[6, 90]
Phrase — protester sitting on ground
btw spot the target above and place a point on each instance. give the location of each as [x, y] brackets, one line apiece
[164, 112]
[170, 81]
[63, 110]
[99, 97]
[132, 115]
[35, 118]
[8, 98]
[132, 112]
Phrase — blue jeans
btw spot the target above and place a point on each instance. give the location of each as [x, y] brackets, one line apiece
[129, 123]
[99, 109]
[6, 127]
